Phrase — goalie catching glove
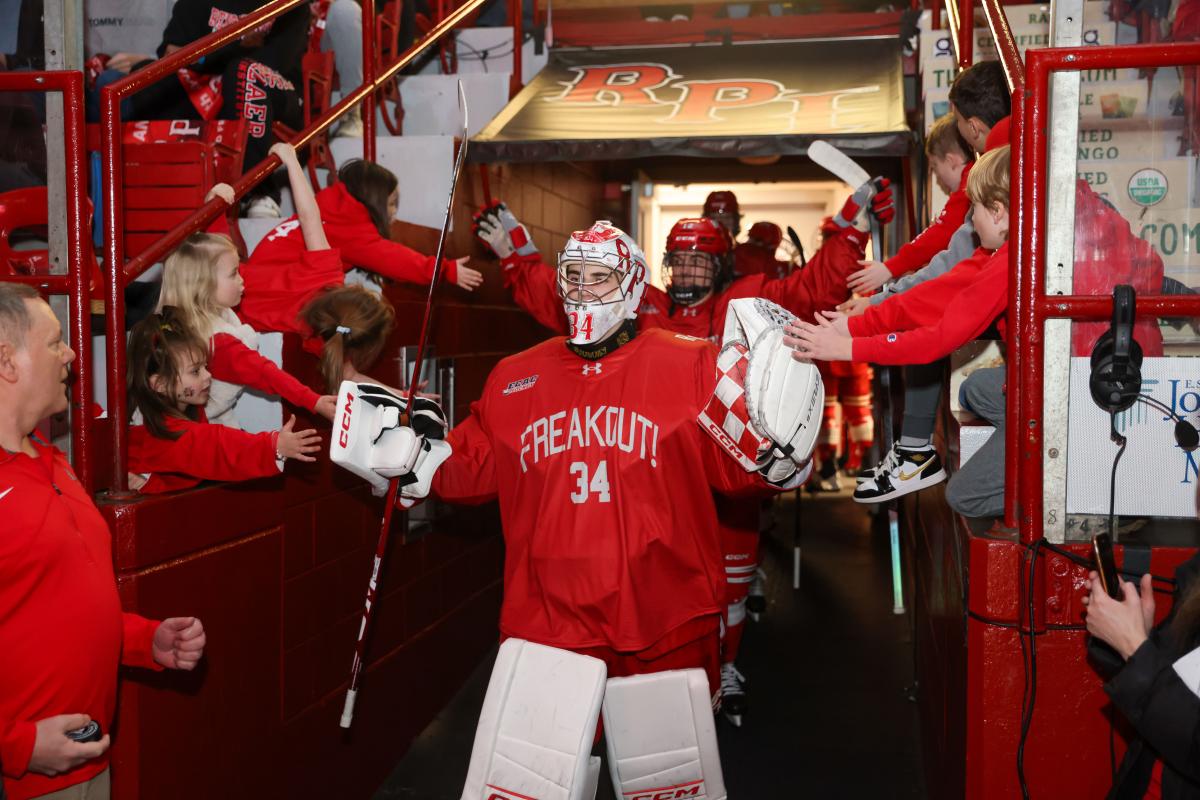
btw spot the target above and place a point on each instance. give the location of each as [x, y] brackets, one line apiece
[496, 227]
[766, 408]
[371, 440]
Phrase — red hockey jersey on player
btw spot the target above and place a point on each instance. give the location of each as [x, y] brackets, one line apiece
[281, 275]
[605, 484]
[821, 285]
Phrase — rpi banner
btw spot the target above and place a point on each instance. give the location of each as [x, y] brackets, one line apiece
[720, 100]
[1155, 477]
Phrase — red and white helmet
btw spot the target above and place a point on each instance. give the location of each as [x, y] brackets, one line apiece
[722, 206]
[697, 256]
[601, 279]
[766, 235]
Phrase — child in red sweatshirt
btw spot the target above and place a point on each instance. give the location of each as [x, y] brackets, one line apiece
[171, 443]
[962, 303]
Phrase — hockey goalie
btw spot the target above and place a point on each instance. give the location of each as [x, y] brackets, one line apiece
[604, 452]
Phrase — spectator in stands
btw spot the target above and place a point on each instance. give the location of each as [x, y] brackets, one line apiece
[982, 92]
[254, 79]
[63, 634]
[353, 324]
[201, 280]
[930, 322]
[294, 262]
[172, 445]
[1153, 680]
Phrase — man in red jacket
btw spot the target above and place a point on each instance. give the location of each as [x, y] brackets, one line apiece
[62, 633]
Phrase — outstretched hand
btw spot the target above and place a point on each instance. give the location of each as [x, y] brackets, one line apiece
[297, 444]
[872, 275]
[855, 306]
[826, 340]
[469, 279]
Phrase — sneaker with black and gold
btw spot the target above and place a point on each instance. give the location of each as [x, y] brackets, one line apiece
[906, 470]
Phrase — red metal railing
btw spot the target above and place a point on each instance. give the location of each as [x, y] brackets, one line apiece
[111, 147]
[960, 15]
[75, 283]
[1029, 305]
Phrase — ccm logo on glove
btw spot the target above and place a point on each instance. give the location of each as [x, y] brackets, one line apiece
[344, 435]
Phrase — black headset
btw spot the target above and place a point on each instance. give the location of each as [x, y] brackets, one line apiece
[1116, 379]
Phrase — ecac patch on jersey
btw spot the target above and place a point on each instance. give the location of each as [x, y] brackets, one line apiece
[687, 338]
[520, 385]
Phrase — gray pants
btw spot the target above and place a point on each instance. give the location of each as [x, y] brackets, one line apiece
[95, 789]
[977, 488]
[343, 35]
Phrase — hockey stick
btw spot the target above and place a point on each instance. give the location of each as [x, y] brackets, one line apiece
[795, 237]
[825, 155]
[356, 667]
[893, 507]
[835, 161]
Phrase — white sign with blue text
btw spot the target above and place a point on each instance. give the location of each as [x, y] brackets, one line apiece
[1155, 477]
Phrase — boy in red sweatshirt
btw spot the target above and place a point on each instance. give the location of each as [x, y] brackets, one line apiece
[964, 302]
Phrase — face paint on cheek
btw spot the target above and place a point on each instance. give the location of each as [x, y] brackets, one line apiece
[189, 393]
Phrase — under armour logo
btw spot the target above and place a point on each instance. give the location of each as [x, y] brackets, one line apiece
[591, 369]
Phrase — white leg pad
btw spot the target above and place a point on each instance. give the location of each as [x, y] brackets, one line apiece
[538, 723]
[662, 741]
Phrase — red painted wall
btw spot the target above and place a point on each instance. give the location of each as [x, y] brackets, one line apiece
[277, 569]
[970, 593]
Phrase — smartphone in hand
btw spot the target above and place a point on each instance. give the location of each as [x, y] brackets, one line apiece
[1102, 551]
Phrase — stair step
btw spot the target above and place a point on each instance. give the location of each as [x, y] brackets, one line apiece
[489, 50]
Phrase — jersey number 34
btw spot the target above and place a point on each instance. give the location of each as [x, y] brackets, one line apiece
[596, 485]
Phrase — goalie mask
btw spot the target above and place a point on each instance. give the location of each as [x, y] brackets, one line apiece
[601, 279]
[697, 259]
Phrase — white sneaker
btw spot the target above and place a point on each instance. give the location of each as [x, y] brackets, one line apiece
[911, 471]
[351, 125]
[263, 207]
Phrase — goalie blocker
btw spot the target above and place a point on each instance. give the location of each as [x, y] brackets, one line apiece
[767, 407]
[372, 439]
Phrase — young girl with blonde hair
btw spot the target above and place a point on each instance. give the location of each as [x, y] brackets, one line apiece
[172, 445]
[202, 282]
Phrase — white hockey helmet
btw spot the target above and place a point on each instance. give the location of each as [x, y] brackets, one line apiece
[601, 279]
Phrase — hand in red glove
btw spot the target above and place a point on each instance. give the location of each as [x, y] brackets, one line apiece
[883, 205]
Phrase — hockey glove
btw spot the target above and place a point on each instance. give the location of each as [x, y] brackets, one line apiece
[370, 441]
[876, 195]
[503, 233]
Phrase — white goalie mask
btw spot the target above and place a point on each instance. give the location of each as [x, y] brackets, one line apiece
[601, 279]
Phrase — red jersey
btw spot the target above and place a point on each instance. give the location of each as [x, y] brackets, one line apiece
[819, 286]
[62, 631]
[205, 452]
[923, 304]
[281, 275]
[936, 237]
[750, 259]
[605, 484]
[970, 311]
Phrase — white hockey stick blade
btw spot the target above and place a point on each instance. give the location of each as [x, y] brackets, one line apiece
[835, 161]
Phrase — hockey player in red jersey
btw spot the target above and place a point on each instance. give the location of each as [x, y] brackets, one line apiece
[697, 270]
[605, 480]
[722, 208]
[757, 254]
